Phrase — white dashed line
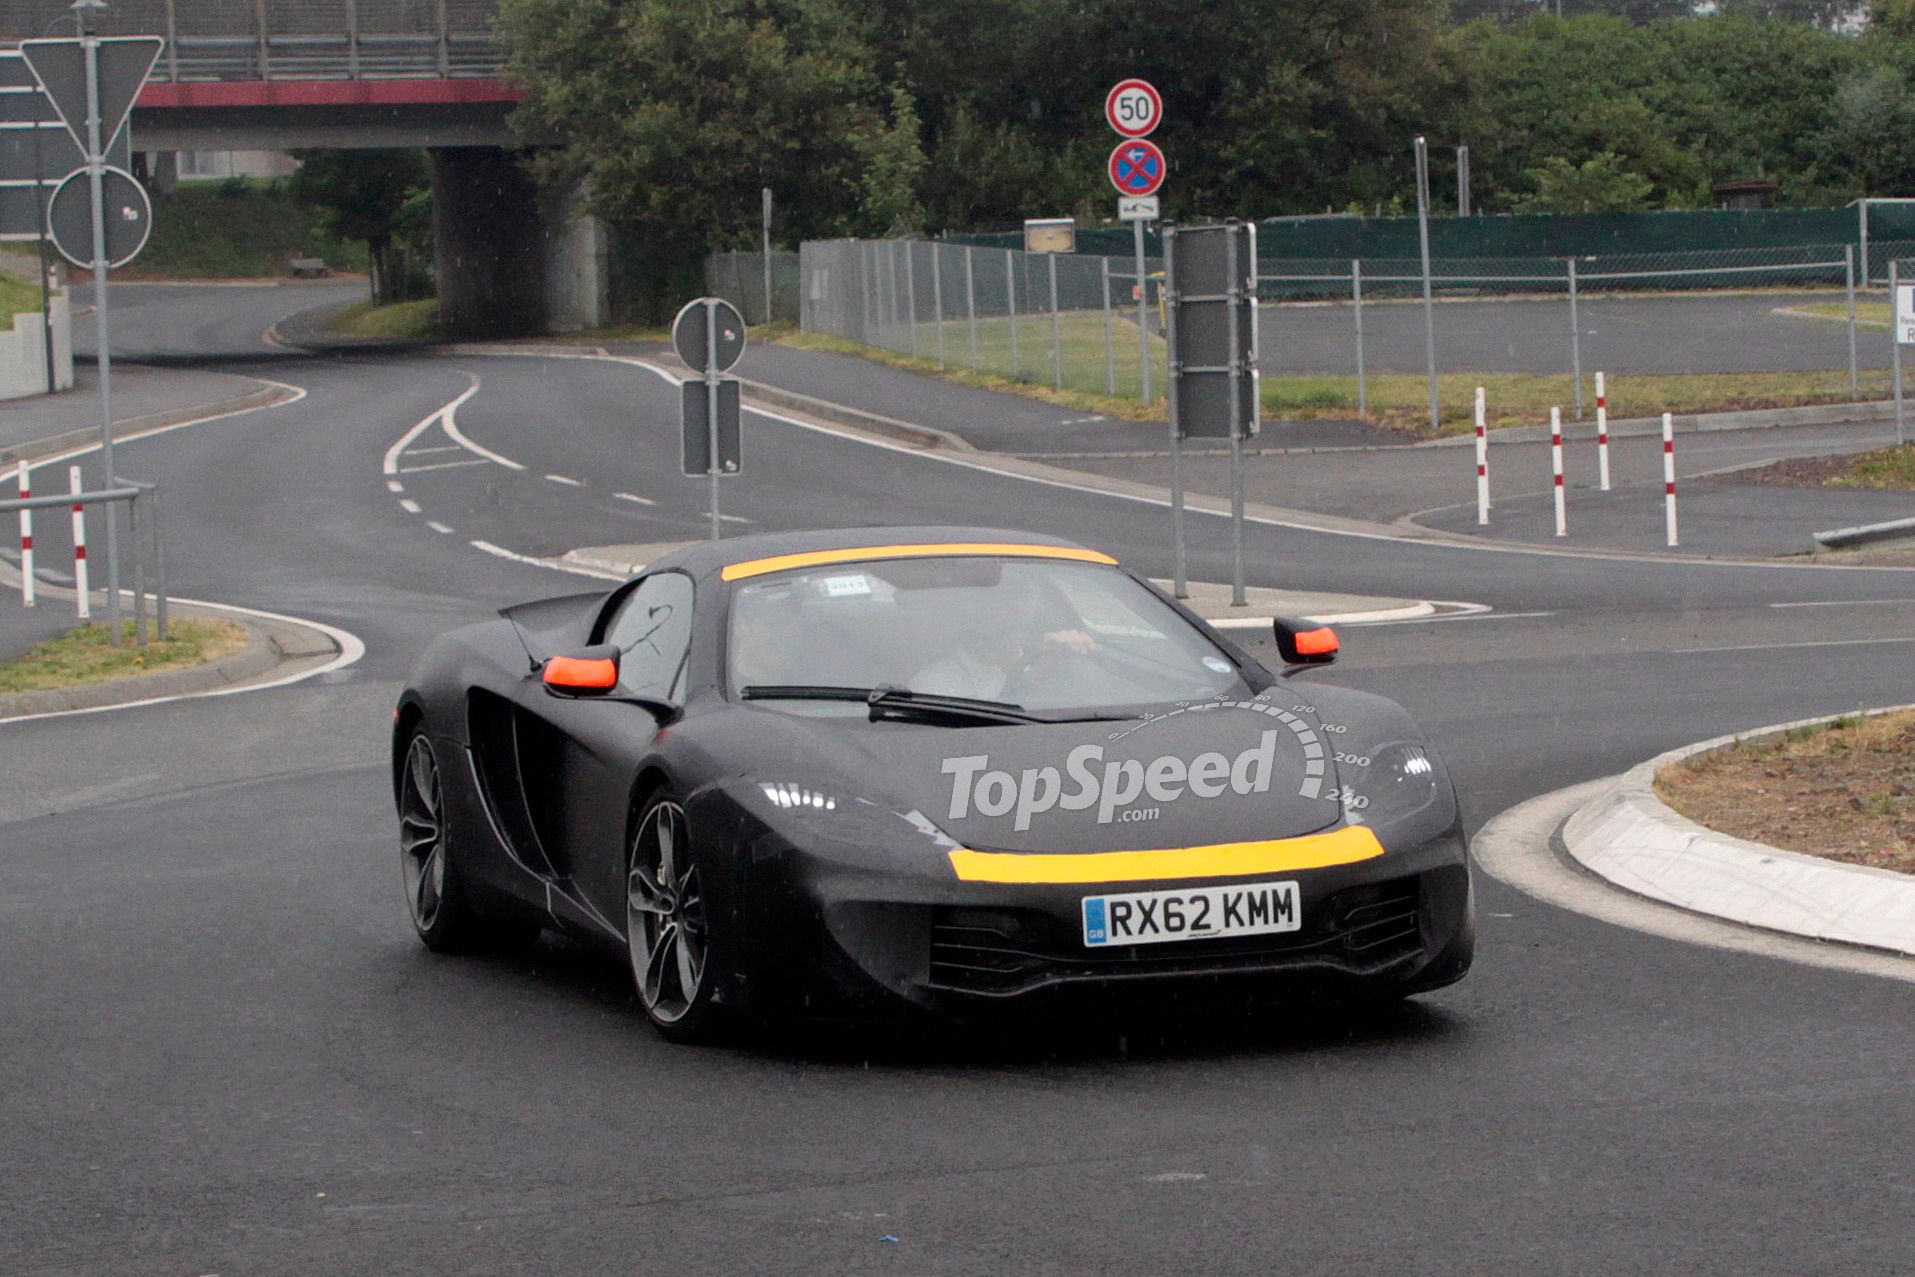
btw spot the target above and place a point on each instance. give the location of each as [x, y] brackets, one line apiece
[393, 485]
[635, 498]
[500, 551]
[726, 518]
[409, 506]
[437, 526]
[567, 480]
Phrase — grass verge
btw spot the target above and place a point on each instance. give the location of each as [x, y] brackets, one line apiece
[17, 297]
[1397, 400]
[1891, 467]
[414, 319]
[236, 230]
[1867, 314]
[85, 656]
[1844, 789]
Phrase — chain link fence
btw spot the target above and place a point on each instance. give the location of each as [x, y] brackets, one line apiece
[1071, 321]
[740, 279]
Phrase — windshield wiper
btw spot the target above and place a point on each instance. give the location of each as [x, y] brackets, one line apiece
[897, 702]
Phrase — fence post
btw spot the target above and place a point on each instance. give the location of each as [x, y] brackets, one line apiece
[1057, 347]
[1848, 286]
[1110, 345]
[970, 303]
[1861, 209]
[1423, 238]
[1010, 292]
[159, 561]
[1575, 342]
[1356, 302]
[137, 525]
[911, 293]
[26, 538]
[1895, 343]
[767, 245]
[937, 296]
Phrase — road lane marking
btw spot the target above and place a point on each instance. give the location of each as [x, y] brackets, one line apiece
[409, 506]
[406, 440]
[634, 497]
[441, 465]
[1852, 603]
[1770, 647]
[437, 526]
[499, 551]
[567, 480]
[1454, 616]
[450, 447]
[393, 485]
[449, 422]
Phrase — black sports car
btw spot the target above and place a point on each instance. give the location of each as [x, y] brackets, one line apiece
[860, 772]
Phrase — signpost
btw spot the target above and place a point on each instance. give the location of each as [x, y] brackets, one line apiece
[92, 83]
[1904, 295]
[1134, 108]
[709, 335]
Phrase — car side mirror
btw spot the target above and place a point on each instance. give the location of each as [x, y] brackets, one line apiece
[1303, 642]
[590, 671]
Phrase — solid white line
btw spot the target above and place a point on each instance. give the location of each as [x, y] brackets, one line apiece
[450, 447]
[1770, 647]
[567, 480]
[450, 423]
[391, 464]
[298, 392]
[1853, 603]
[437, 526]
[409, 506]
[500, 551]
[1464, 616]
[628, 496]
[443, 465]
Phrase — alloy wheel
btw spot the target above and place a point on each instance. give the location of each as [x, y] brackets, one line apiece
[665, 915]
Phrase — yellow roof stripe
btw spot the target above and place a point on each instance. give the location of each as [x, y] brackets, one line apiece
[816, 558]
[1220, 860]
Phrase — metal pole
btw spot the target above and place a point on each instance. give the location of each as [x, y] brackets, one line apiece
[445, 39]
[1110, 341]
[95, 169]
[173, 40]
[1861, 209]
[766, 240]
[937, 298]
[911, 293]
[139, 572]
[1848, 286]
[265, 66]
[352, 39]
[1423, 239]
[1057, 346]
[711, 411]
[1143, 317]
[1233, 299]
[1356, 302]
[1180, 586]
[1010, 293]
[40, 211]
[1462, 181]
[970, 303]
[1895, 343]
[1575, 342]
[159, 560]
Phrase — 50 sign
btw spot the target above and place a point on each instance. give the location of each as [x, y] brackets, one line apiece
[1133, 108]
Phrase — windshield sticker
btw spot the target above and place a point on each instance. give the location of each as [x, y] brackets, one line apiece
[840, 586]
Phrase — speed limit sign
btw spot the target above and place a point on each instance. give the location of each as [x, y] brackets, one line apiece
[1134, 107]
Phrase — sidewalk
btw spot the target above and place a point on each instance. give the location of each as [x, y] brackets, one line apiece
[139, 392]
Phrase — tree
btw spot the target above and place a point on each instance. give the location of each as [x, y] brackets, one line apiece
[379, 197]
[1602, 184]
[893, 169]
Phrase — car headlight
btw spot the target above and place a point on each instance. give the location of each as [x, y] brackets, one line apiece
[1392, 784]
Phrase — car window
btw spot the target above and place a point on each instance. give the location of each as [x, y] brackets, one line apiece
[652, 630]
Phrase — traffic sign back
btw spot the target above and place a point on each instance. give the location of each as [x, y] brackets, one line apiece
[128, 220]
[701, 351]
[1137, 167]
[60, 67]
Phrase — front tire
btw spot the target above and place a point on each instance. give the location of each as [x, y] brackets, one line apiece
[436, 896]
[669, 936]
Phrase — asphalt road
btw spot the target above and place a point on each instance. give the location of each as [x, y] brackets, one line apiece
[224, 1052]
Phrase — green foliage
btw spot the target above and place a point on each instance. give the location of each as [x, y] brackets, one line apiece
[1601, 184]
[893, 169]
[208, 230]
[380, 198]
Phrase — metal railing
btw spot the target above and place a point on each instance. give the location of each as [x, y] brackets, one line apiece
[145, 504]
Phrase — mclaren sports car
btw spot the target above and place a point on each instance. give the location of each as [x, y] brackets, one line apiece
[922, 771]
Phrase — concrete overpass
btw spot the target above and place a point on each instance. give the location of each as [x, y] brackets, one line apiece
[371, 74]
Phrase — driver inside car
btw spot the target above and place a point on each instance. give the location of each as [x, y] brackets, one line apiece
[994, 653]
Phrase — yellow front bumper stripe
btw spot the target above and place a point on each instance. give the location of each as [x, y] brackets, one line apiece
[818, 558]
[1344, 846]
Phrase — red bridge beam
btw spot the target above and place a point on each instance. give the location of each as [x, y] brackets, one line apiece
[310, 93]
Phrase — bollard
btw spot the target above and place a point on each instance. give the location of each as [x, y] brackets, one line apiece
[26, 539]
[1482, 461]
[1669, 474]
[1556, 467]
[1602, 434]
[81, 593]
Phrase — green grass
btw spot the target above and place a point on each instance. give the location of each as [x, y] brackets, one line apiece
[1399, 400]
[85, 656]
[1883, 468]
[1867, 314]
[414, 319]
[222, 230]
[17, 297]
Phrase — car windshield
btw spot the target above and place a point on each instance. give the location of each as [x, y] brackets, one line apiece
[1034, 633]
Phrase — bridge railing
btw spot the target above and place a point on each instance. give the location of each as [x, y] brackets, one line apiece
[330, 57]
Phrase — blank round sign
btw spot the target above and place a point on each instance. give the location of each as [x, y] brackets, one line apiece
[128, 220]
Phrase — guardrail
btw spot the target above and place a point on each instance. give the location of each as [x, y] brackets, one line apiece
[339, 56]
[146, 509]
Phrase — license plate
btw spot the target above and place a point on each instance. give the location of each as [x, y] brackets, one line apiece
[1192, 913]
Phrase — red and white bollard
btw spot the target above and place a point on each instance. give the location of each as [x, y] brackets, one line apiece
[1669, 473]
[1602, 435]
[81, 593]
[1482, 462]
[1556, 467]
[26, 538]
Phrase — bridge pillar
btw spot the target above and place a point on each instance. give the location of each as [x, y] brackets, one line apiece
[489, 245]
[577, 268]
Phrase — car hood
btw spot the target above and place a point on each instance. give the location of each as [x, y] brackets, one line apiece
[1184, 776]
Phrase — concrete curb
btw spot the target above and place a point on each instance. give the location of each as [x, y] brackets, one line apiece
[269, 643]
[1691, 423]
[133, 427]
[1630, 837]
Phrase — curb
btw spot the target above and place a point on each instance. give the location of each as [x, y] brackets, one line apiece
[1891, 533]
[268, 644]
[1631, 838]
[133, 427]
[1691, 423]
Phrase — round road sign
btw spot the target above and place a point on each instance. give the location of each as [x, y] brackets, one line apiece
[128, 221]
[1137, 167]
[701, 350]
[1134, 107]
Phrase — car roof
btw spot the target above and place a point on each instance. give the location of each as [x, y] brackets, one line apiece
[711, 557]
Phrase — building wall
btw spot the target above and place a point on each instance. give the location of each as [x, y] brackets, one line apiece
[23, 370]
